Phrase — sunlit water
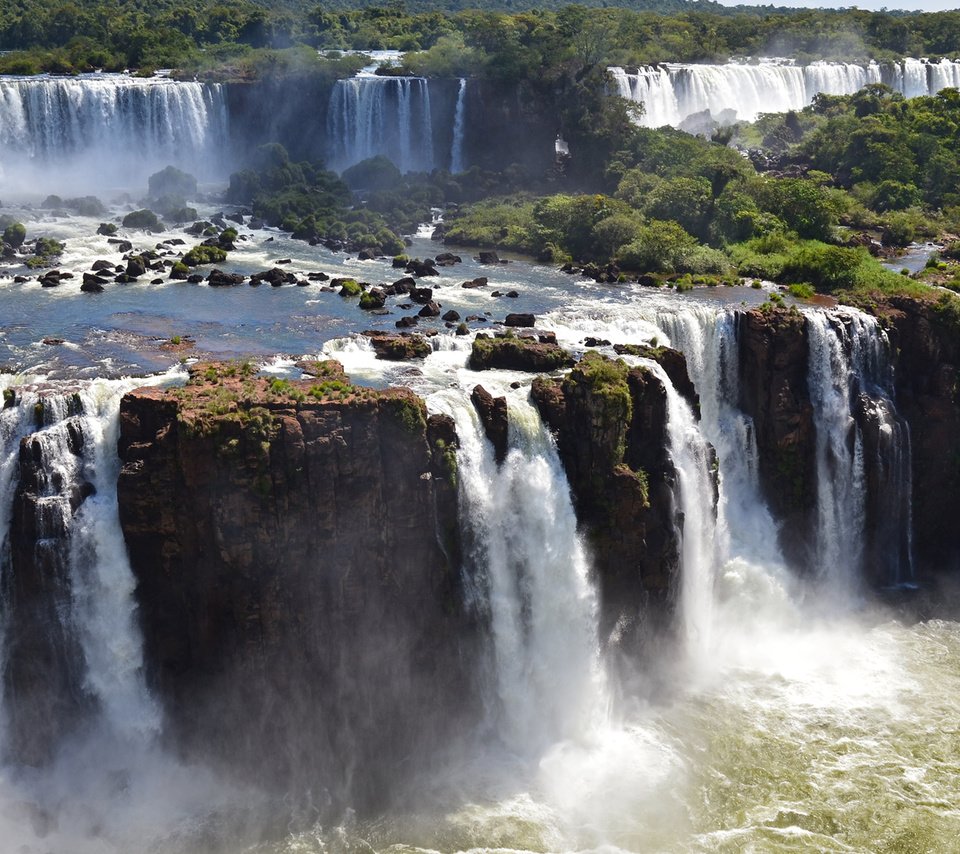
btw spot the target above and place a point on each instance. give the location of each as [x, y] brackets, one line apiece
[804, 724]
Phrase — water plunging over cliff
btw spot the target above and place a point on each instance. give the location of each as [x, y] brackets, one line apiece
[69, 588]
[459, 122]
[110, 131]
[863, 452]
[390, 116]
[674, 92]
[530, 575]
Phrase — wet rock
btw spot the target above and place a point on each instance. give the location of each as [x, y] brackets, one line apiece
[520, 320]
[489, 257]
[421, 269]
[451, 316]
[493, 416]
[220, 279]
[518, 354]
[399, 348]
[421, 295]
[479, 282]
[407, 322]
[274, 276]
[431, 309]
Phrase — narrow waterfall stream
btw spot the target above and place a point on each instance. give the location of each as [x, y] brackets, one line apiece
[459, 125]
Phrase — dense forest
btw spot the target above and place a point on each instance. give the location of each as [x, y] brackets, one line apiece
[808, 198]
[483, 40]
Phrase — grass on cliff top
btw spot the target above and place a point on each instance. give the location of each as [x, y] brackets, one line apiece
[219, 394]
[849, 273]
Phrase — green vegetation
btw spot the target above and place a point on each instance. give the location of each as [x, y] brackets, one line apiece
[145, 219]
[310, 202]
[15, 234]
[444, 37]
[350, 288]
[204, 254]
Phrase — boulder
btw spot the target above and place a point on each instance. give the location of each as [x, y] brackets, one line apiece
[220, 279]
[399, 348]
[520, 320]
[431, 309]
[517, 354]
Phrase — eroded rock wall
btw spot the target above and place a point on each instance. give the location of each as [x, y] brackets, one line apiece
[297, 563]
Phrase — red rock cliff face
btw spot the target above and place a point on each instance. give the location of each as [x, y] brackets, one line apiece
[296, 556]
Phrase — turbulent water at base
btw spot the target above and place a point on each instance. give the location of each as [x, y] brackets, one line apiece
[390, 116]
[107, 130]
[673, 92]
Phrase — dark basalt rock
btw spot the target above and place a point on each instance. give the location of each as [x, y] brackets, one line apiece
[610, 422]
[489, 257]
[520, 320]
[421, 269]
[274, 276]
[399, 348]
[479, 282]
[421, 295]
[431, 309]
[220, 279]
[493, 416]
[773, 391]
[297, 566]
[518, 354]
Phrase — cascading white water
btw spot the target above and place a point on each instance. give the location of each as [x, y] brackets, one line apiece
[532, 572]
[103, 583]
[692, 461]
[708, 339]
[841, 512]
[459, 123]
[108, 130]
[850, 369]
[390, 116]
[77, 439]
[674, 92]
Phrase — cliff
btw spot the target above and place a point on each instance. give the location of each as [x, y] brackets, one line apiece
[296, 547]
[925, 338]
[610, 423]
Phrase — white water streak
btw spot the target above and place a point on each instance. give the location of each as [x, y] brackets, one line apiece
[673, 92]
[534, 569]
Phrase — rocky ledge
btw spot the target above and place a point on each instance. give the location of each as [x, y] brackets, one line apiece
[296, 549]
[610, 421]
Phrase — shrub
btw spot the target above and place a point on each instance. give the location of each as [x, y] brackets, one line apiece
[204, 254]
[145, 219]
[15, 234]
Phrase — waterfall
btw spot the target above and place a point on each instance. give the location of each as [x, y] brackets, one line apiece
[863, 451]
[672, 93]
[108, 130]
[530, 572]
[459, 116]
[78, 552]
[389, 116]
[708, 339]
[696, 531]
